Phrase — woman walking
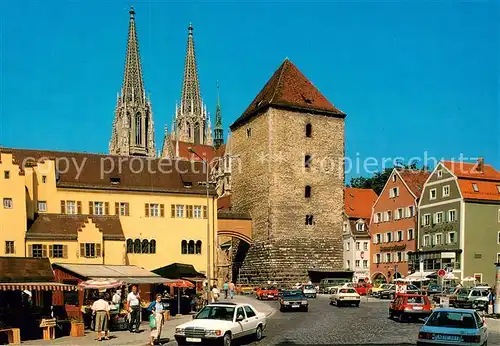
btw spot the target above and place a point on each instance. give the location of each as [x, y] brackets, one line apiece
[156, 309]
[101, 310]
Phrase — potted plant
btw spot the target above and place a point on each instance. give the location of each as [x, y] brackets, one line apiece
[77, 327]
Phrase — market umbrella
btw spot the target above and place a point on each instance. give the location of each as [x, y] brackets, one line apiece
[179, 284]
[100, 284]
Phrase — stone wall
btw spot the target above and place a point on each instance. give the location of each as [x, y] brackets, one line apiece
[269, 183]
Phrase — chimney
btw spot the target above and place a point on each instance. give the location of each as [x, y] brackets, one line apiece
[480, 164]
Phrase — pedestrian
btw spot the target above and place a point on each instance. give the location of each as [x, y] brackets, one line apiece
[134, 307]
[101, 310]
[231, 290]
[215, 294]
[156, 309]
[225, 287]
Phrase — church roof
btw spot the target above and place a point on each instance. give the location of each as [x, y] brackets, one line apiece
[288, 88]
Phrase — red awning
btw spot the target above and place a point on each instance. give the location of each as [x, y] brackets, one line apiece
[36, 286]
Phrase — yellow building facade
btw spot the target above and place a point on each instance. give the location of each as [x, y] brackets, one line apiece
[99, 209]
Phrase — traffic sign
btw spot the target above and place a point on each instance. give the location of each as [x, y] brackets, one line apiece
[441, 273]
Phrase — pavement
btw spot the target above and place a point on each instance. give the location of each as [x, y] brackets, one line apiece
[142, 338]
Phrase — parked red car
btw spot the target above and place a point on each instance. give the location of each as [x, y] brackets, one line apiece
[362, 288]
[266, 293]
[408, 306]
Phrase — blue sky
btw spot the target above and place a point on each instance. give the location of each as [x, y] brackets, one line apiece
[412, 77]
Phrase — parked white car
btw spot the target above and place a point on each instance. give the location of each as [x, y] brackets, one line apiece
[309, 291]
[221, 323]
[345, 296]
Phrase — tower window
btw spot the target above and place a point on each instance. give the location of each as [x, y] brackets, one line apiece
[308, 130]
[309, 220]
[249, 132]
[307, 192]
[188, 130]
[307, 161]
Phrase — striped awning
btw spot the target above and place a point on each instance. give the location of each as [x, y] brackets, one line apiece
[36, 286]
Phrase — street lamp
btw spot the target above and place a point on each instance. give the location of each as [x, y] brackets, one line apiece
[207, 185]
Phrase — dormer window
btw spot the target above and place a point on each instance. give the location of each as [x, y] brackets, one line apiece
[474, 187]
[114, 181]
[360, 227]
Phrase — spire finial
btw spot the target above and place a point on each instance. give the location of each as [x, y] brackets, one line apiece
[132, 12]
[190, 29]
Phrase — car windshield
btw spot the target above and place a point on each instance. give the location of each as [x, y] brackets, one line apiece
[224, 313]
[309, 287]
[450, 290]
[416, 300]
[452, 319]
[294, 294]
[347, 290]
[385, 286]
[463, 292]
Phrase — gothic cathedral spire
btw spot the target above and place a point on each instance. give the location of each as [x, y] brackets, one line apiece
[133, 128]
[191, 117]
[218, 130]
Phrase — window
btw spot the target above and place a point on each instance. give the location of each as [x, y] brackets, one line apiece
[42, 206]
[394, 192]
[205, 214]
[307, 161]
[6, 174]
[389, 215]
[191, 247]
[439, 217]
[498, 238]
[427, 240]
[154, 210]
[452, 215]
[308, 130]
[365, 263]
[70, 207]
[378, 217]
[9, 247]
[432, 194]
[348, 264]
[249, 311]
[439, 239]
[360, 227]
[347, 246]
[98, 208]
[197, 212]
[498, 258]
[400, 236]
[365, 246]
[426, 220]
[394, 178]
[388, 236]
[137, 246]
[152, 246]
[179, 210]
[478, 277]
[451, 238]
[92, 250]
[249, 132]
[197, 247]
[474, 187]
[412, 210]
[56, 251]
[377, 258]
[379, 238]
[498, 188]
[498, 215]
[37, 250]
[358, 245]
[122, 209]
[130, 246]
[399, 257]
[189, 211]
[184, 247]
[399, 213]
[357, 263]
[446, 190]
[307, 191]
[145, 246]
[410, 234]
[44, 179]
[7, 203]
[344, 227]
[439, 173]
[309, 220]
[388, 257]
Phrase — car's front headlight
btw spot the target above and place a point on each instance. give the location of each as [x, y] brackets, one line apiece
[303, 302]
[180, 331]
[213, 332]
[286, 303]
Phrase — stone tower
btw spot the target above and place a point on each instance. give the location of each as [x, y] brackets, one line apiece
[191, 122]
[218, 130]
[133, 128]
[290, 177]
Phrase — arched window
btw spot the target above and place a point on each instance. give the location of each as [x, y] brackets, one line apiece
[191, 247]
[197, 249]
[308, 130]
[307, 191]
[152, 246]
[184, 247]
[130, 246]
[137, 246]
[138, 128]
[145, 246]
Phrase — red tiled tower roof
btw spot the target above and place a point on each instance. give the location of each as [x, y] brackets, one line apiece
[289, 88]
[358, 203]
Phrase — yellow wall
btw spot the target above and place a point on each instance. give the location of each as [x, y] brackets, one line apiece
[167, 231]
[12, 221]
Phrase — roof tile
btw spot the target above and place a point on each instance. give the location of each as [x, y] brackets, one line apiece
[414, 179]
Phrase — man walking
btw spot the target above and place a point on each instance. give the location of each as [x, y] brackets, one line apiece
[101, 310]
[134, 307]
[225, 287]
[231, 289]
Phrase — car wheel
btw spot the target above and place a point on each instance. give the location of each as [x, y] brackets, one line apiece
[357, 305]
[226, 341]
[331, 302]
[258, 333]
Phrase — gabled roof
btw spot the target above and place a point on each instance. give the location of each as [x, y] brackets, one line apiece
[288, 88]
[21, 269]
[62, 226]
[414, 179]
[471, 170]
[358, 203]
[129, 173]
